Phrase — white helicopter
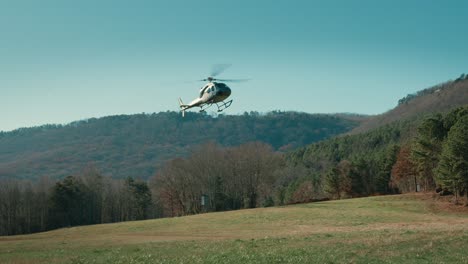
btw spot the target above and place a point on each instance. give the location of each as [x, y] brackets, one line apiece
[212, 93]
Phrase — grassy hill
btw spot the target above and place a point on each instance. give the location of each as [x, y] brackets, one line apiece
[439, 98]
[385, 229]
[137, 145]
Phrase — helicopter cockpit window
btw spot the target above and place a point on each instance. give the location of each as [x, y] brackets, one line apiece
[202, 90]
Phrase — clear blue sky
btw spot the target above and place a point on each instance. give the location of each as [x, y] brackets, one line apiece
[67, 60]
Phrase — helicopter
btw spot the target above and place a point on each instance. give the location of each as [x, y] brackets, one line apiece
[215, 92]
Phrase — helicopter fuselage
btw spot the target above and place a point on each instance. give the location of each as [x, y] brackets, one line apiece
[210, 93]
[214, 92]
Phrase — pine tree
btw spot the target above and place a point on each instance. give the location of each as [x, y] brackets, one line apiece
[338, 181]
[452, 170]
[426, 151]
[332, 183]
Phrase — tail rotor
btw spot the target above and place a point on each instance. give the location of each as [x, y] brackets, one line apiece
[182, 106]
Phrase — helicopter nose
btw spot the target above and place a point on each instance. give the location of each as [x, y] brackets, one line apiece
[224, 92]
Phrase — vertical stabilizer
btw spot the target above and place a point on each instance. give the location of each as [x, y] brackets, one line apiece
[182, 107]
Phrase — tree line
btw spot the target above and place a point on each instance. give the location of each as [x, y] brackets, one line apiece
[431, 153]
[437, 158]
[89, 198]
[229, 178]
[423, 154]
[433, 89]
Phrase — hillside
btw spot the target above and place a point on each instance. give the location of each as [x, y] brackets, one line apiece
[137, 145]
[386, 229]
[370, 163]
[439, 98]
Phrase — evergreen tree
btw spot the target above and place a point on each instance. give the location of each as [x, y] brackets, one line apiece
[362, 177]
[139, 199]
[337, 181]
[427, 148]
[69, 201]
[333, 183]
[384, 161]
[453, 167]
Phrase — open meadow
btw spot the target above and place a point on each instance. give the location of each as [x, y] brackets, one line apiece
[409, 228]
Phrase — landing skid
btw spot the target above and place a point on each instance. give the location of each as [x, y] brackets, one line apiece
[221, 106]
[203, 107]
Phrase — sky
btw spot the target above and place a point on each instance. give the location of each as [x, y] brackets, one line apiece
[64, 60]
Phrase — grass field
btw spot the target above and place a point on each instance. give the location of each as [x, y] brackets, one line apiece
[383, 229]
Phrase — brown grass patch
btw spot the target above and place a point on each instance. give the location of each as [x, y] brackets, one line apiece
[438, 203]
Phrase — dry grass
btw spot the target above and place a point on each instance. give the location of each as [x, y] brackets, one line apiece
[353, 227]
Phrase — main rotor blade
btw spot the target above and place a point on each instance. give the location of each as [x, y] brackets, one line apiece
[233, 80]
[218, 69]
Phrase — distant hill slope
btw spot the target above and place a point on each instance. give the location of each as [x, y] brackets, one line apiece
[136, 145]
[439, 98]
[371, 149]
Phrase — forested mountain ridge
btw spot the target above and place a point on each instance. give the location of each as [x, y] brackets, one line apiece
[439, 98]
[136, 145]
[399, 151]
